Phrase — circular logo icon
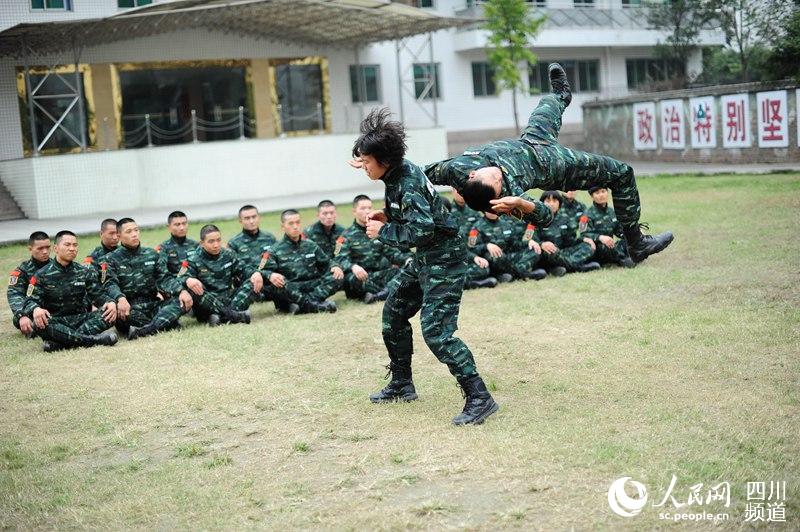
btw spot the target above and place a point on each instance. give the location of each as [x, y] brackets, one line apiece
[622, 504]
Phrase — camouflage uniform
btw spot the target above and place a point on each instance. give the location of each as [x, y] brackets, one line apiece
[575, 209]
[64, 291]
[18, 284]
[306, 268]
[324, 238]
[517, 258]
[226, 283]
[602, 221]
[432, 282]
[139, 275]
[93, 258]
[572, 251]
[176, 250]
[537, 160]
[250, 248]
[380, 261]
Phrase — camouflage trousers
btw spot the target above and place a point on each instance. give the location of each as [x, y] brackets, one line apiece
[475, 272]
[606, 255]
[71, 330]
[162, 314]
[514, 262]
[432, 284]
[376, 281]
[215, 303]
[567, 169]
[570, 258]
[301, 292]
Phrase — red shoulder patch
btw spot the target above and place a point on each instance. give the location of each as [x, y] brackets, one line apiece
[158, 248]
[88, 260]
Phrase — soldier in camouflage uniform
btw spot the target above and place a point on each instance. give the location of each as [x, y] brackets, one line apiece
[302, 275]
[497, 175]
[562, 250]
[370, 265]
[57, 296]
[222, 287]
[571, 206]
[478, 273]
[325, 231]
[601, 225]
[178, 246]
[39, 248]
[510, 257]
[252, 243]
[433, 282]
[135, 276]
[109, 239]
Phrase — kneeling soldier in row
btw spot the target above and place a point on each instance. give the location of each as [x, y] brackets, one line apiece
[562, 250]
[510, 257]
[57, 299]
[303, 274]
[39, 248]
[370, 265]
[221, 286]
[601, 225]
[178, 246]
[134, 276]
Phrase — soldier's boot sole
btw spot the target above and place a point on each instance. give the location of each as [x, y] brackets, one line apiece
[404, 398]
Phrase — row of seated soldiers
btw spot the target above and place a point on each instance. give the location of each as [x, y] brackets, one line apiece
[143, 290]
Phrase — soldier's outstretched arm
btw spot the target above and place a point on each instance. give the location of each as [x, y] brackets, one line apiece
[524, 208]
[442, 173]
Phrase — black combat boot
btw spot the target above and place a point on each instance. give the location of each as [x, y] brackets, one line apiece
[214, 320]
[105, 338]
[641, 246]
[50, 346]
[559, 82]
[489, 282]
[558, 271]
[326, 306]
[536, 275]
[588, 267]
[140, 332]
[505, 278]
[627, 262]
[479, 404]
[369, 297]
[400, 388]
[234, 316]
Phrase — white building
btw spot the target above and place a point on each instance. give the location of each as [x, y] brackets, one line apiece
[178, 71]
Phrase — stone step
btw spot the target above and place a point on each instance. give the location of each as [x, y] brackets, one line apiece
[9, 210]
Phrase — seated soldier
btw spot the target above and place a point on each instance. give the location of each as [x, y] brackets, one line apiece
[135, 276]
[221, 286]
[370, 265]
[600, 224]
[325, 231]
[303, 273]
[252, 243]
[109, 239]
[178, 246]
[478, 273]
[39, 248]
[562, 251]
[509, 256]
[572, 207]
[57, 300]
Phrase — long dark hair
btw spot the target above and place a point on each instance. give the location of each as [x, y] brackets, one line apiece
[381, 138]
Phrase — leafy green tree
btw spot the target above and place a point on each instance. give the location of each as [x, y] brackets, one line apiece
[784, 61]
[511, 27]
[682, 20]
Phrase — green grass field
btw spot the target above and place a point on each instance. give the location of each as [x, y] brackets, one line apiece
[686, 365]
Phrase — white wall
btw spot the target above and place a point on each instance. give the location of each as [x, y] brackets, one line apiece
[194, 174]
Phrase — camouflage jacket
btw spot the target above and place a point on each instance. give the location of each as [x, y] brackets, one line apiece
[65, 290]
[573, 208]
[176, 250]
[18, 284]
[93, 258]
[370, 254]
[501, 232]
[416, 215]
[600, 221]
[138, 275]
[518, 161]
[465, 217]
[324, 239]
[250, 249]
[218, 273]
[563, 232]
[297, 261]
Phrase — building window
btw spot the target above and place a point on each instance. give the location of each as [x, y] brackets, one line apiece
[54, 5]
[645, 71]
[583, 75]
[424, 76]
[425, 3]
[583, 3]
[365, 83]
[483, 79]
[631, 3]
[537, 3]
[133, 3]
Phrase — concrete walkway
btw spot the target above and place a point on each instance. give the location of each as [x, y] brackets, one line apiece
[18, 230]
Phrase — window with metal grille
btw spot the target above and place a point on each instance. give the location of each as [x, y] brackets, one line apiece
[424, 76]
[365, 83]
[583, 75]
[483, 79]
[644, 71]
[51, 5]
